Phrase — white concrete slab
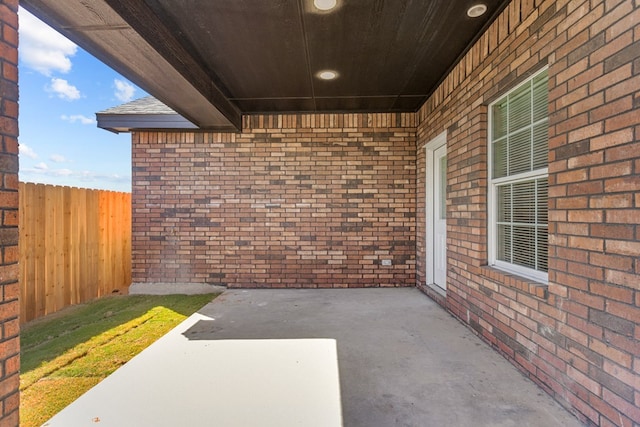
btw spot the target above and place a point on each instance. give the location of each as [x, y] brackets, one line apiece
[183, 382]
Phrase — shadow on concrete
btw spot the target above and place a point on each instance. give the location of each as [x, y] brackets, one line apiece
[403, 360]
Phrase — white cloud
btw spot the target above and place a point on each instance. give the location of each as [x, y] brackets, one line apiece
[90, 179]
[62, 172]
[27, 151]
[124, 90]
[57, 158]
[64, 90]
[78, 118]
[42, 48]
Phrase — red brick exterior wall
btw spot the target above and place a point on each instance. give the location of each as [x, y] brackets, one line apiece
[579, 338]
[322, 200]
[9, 289]
[292, 201]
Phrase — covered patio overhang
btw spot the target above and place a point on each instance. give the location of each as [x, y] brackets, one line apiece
[212, 62]
[342, 106]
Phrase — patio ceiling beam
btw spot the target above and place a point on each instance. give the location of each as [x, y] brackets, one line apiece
[156, 62]
[147, 23]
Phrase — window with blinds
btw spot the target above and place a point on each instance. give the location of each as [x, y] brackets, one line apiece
[519, 184]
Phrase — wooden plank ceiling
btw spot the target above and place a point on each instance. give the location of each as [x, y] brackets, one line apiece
[214, 60]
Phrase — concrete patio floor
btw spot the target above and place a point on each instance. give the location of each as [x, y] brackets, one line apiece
[402, 361]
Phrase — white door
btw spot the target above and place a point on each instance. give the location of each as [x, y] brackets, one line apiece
[439, 217]
[436, 212]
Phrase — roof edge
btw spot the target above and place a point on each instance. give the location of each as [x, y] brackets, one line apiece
[118, 123]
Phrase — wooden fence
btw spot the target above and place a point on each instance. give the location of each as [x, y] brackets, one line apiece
[75, 245]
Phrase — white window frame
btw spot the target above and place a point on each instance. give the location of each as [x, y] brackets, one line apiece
[492, 202]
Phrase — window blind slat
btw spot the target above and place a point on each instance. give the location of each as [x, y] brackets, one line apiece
[543, 197]
[543, 249]
[519, 108]
[520, 152]
[504, 243]
[499, 123]
[523, 202]
[540, 144]
[520, 144]
[500, 158]
[504, 203]
[524, 246]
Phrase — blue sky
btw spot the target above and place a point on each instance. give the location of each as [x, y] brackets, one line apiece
[61, 89]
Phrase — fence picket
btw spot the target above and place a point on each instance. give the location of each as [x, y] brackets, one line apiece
[75, 245]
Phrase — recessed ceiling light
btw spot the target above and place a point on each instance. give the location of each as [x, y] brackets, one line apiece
[477, 10]
[325, 4]
[327, 75]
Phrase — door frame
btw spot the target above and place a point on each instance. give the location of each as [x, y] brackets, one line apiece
[430, 147]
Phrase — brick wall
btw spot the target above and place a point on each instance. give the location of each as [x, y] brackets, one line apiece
[9, 289]
[579, 338]
[292, 201]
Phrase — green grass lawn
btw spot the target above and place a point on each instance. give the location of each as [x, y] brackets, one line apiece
[67, 353]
